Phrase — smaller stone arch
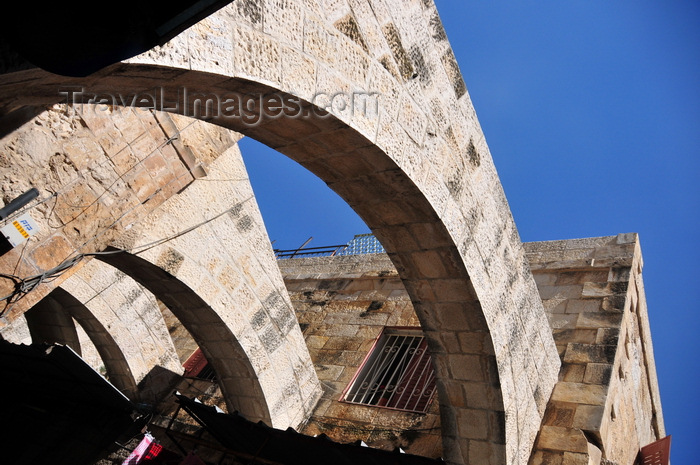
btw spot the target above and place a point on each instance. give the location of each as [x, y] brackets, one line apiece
[49, 322]
[237, 378]
[129, 313]
[205, 254]
[116, 365]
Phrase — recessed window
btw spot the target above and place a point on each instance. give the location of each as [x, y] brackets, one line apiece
[397, 373]
[198, 367]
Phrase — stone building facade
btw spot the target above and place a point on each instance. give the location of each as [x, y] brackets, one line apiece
[151, 244]
[604, 407]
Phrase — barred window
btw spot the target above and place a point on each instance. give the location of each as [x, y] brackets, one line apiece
[197, 366]
[397, 373]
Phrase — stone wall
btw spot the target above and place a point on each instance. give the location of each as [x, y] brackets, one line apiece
[417, 170]
[171, 197]
[606, 404]
[343, 304]
[217, 273]
[98, 171]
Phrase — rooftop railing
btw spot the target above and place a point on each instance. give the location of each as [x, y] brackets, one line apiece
[359, 245]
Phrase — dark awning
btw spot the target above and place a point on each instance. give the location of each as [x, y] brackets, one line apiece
[287, 447]
[56, 408]
[76, 38]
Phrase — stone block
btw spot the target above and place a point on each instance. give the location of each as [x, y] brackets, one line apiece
[598, 373]
[585, 336]
[588, 417]
[546, 458]
[452, 315]
[590, 394]
[597, 290]
[545, 279]
[54, 251]
[562, 439]
[598, 320]
[486, 453]
[473, 424]
[607, 336]
[581, 277]
[572, 373]
[583, 306]
[481, 396]
[559, 414]
[566, 291]
[555, 305]
[589, 353]
[571, 458]
[466, 367]
[329, 372]
[564, 321]
[256, 55]
[475, 343]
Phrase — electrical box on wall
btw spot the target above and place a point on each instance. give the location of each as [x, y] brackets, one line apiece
[20, 229]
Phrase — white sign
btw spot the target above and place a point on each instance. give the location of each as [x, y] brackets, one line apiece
[20, 229]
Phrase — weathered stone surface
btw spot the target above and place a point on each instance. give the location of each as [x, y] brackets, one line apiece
[423, 130]
[600, 368]
[558, 438]
[343, 303]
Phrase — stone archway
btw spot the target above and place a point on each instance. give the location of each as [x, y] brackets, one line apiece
[50, 323]
[205, 255]
[238, 379]
[116, 365]
[419, 174]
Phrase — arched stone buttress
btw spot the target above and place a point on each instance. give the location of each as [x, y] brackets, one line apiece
[417, 170]
[236, 376]
[205, 255]
[50, 323]
[116, 366]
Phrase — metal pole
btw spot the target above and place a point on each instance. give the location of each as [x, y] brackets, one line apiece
[18, 203]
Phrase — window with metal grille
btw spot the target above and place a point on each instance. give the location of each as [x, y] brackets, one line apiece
[197, 366]
[397, 373]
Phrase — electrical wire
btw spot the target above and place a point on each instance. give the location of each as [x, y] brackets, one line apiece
[169, 140]
[71, 182]
[23, 286]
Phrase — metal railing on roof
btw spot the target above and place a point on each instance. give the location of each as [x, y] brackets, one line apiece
[359, 245]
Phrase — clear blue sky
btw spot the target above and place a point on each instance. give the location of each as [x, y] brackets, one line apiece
[592, 114]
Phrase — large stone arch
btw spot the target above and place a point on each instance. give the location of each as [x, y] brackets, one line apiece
[419, 174]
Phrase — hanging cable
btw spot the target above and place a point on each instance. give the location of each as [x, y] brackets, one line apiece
[23, 286]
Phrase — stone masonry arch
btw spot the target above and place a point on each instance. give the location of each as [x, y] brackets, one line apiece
[124, 320]
[221, 281]
[238, 382]
[50, 323]
[232, 266]
[417, 170]
[116, 365]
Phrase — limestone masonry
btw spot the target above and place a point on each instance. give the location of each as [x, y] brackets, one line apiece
[152, 257]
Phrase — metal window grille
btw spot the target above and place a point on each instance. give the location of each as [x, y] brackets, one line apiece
[397, 374]
[197, 366]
